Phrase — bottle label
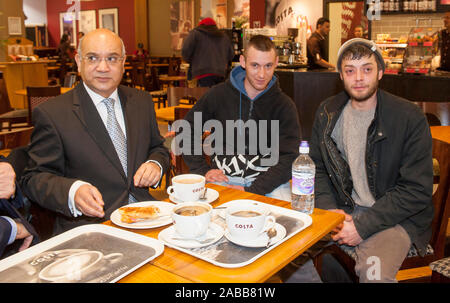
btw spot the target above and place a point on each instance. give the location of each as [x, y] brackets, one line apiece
[302, 184]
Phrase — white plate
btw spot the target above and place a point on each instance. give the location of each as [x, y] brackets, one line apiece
[214, 231]
[211, 196]
[164, 219]
[221, 212]
[260, 241]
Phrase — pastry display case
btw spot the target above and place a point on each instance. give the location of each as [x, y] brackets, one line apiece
[422, 47]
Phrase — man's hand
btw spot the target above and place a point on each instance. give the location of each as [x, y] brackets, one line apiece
[89, 201]
[348, 234]
[215, 175]
[147, 175]
[23, 233]
[7, 180]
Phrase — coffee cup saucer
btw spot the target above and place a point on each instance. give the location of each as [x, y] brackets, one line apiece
[214, 232]
[261, 240]
[211, 196]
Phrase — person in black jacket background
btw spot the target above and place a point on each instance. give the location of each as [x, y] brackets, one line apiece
[373, 156]
[209, 53]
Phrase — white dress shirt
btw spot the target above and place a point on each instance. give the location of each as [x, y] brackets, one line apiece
[102, 110]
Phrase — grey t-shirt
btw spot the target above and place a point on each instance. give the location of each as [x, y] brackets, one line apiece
[350, 135]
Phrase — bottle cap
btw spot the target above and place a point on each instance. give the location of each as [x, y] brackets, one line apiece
[304, 147]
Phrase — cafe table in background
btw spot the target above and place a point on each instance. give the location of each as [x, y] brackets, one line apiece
[177, 266]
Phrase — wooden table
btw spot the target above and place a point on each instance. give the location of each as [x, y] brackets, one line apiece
[167, 114]
[179, 266]
[171, 79]
[441, 132]
[23, 92]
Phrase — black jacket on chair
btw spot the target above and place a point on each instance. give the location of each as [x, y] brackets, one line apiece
[398, 163]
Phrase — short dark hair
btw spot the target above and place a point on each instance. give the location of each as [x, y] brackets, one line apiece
[261, 43]
[356, 52]
[321, 21]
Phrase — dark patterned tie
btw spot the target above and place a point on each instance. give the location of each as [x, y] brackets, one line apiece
[117, 137]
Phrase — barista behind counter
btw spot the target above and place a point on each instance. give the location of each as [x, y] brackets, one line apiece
[317, 46]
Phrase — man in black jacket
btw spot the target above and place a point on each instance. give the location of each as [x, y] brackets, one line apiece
[373, 159]
[209, 52]
[261, 130]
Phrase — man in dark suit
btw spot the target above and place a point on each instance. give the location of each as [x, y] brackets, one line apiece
[12, 224]
[97, 147]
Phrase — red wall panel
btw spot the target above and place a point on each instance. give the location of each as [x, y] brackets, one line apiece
[126, 19]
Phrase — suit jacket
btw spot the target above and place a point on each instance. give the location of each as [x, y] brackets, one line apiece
[70, 142]
[9, 208]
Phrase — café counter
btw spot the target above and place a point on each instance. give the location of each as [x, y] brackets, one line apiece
[308, 88]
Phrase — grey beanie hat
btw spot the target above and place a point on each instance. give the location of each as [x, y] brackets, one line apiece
[367, 43]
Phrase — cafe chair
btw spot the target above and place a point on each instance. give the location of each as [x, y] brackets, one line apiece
[440, 271]
[13, 139]
[437, 113]
[184, 95]
[138, 74]
[435, 250]
[70, 79]
[40, 94]
[153, 86]
[13, 118]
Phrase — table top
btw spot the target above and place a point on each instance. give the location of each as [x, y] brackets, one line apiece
[23, 92]
[167, 114]
[183, 267]
[172, 78]
[441, 132]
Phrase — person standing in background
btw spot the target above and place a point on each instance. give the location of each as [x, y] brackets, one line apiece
[444, 44]
[316, 46]
[209, 52]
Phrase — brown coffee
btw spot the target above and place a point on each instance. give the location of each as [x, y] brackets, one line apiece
[246, 213]
[191, 211]
[189, 180]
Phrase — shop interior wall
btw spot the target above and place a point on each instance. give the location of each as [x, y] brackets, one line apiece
[125, 20]
[9, 8]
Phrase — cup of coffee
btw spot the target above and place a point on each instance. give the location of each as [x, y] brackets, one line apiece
[247, 221]
[187, 187]
[191, 219]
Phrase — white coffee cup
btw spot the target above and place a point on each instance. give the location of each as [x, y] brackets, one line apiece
[187, 187]
[248, 221]
[191, 219]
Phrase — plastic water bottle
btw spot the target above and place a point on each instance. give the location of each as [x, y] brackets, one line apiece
[303, 173]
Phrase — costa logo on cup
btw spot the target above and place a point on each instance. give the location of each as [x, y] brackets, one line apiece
[247, 220]
[244, 226]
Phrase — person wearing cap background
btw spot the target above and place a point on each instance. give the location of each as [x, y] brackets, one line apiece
[209, 52]
[373, 159]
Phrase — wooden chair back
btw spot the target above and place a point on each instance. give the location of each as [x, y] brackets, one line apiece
[438, 113]
[138, 73]
[154, 84]
[40, 94]
[174, 66]
[5, 105]
[192, 94]
[441, 152]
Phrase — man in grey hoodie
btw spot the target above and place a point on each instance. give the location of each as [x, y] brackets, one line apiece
[209, 52]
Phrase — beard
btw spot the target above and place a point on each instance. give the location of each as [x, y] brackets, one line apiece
[361, 98]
